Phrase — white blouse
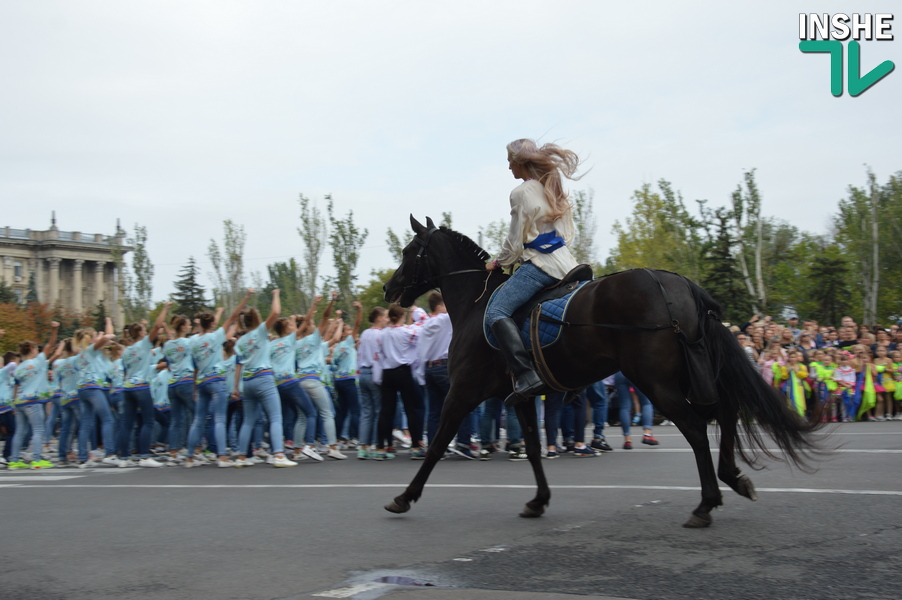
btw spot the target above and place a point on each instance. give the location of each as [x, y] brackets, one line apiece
[529, 210]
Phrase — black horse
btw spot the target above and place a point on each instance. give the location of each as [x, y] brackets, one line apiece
[631, 307]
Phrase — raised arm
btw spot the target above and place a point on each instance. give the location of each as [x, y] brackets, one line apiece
[56, 353]
[54, 330]
[358, 319]
[308, 326]
[275, 310]
[338, 326]
[234, 316]
[101, 339]
[161, 318]
[218, 314]
[325, 322]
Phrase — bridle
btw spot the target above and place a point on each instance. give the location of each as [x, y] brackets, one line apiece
[422, 259]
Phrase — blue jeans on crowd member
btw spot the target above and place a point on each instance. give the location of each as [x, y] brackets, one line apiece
[211, 398]
[525, 283]
[31, 416]
[292, 394]
[162, 418]
[573, 420]
[370, 404]
[554, 404]
[622, 386]
[50, 422]
[437, 385]
[489, 423]
[70, 418]
[132, 401]
[181, 414]
[260, 392]
[597, 394]
[347, 416]
[8, 421]
[95, 404]
[323, 403]
[289, 417]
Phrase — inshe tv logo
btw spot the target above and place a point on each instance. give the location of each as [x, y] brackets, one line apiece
[833, 31]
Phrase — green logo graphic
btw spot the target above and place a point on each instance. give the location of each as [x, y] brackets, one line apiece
[857, 84]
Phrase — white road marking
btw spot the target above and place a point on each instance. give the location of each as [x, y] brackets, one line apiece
[352, 590]
[38, 477]
[677, 488]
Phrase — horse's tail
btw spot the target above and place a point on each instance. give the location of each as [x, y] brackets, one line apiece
[744, 393]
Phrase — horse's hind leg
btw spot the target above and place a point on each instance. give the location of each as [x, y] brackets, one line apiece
[727, 471]
[453, 413]
[526, 412]
[694, 428]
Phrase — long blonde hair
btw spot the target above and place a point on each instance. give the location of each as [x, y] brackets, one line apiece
[546, 165]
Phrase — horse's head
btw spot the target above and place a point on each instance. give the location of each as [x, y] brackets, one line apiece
[415, 276]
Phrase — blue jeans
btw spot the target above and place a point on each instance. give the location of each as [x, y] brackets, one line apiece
[292, 394]
[95, 404]
[622, 385]
[323, 403]
[8, 420]
[31, 415]
[554, 404]
[526, 282]
[598, 398]
[437, 386]
[260, 392]
[573, 420]
[211, 398]
[370, 404]
[70, 421]
[491, 417]
[52, 416]
[347, 419]
[132, 401]
[181, 414]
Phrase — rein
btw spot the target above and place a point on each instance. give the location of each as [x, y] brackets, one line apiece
[421, 259]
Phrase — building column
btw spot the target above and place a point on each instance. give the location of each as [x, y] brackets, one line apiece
[54, 296]
[8, 269]
[115, 306]
[77, 292]
[36, 266]
[98, 282]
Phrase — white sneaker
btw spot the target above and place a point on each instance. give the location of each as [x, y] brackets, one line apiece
[247, 462]
[98, 454]
[336, 454]
[190, 464]
[254, 460]
[312, 453]
[114, 461]
[149, 462]
[261, 453]
[201, 459]
[298, 455]
[88, 464]
[3, 461]
[281, 461]
[224, 463]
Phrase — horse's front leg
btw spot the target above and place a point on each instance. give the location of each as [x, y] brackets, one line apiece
[529, 420]
[454, 409]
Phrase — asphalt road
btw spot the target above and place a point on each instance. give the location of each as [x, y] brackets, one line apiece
[319, 530]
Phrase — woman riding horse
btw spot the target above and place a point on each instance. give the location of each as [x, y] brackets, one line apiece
[541, 227]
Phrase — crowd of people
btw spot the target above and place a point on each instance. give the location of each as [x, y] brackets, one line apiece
[838, 374]
[247, 390]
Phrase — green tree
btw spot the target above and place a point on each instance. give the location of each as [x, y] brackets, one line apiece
[857, 231]
[346, 239]
[583, 244]
[721, 277]
[228, 266]
[396, 244]
[827, 290]
[748, 227]
[7, 295]
[314, 234]
[288, 277]
[189, 295]
[32, 295]
[99, 315]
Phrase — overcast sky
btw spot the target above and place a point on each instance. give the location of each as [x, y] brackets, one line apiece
[178, 115]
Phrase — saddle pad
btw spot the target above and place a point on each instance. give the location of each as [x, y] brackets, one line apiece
[549, 333]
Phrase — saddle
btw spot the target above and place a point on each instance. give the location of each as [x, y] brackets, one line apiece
[572, 281]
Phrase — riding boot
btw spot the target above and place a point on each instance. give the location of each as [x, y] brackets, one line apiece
[527, 382]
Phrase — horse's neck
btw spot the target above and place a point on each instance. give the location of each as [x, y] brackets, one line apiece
[465, 293]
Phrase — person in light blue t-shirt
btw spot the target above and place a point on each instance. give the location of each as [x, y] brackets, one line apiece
[344, 364]
[206, 350]
[180, 387]
[253, 353]
[30, 393]
[140, 369]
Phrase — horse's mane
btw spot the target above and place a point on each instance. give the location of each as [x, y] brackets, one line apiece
[466, 243]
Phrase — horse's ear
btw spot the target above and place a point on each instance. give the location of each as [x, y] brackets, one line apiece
[429, 223]
[416, 226]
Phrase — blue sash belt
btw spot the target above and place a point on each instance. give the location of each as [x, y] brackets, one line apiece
[546, 243]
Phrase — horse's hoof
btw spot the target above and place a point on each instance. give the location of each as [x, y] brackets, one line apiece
[746, 488]
[532, 513]
[697, 522]
[398, 506]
